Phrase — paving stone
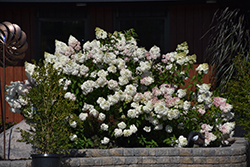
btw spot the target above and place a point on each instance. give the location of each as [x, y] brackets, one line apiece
[151, 157]
[149, 160]
[185, 152]
[140, 152]
[223, 151]
[208, 152]
[199, 160]
[197, 152]
[128, 152]
[21, 163]
[116, 152]
[71, 162]
[174, 160]
[173, 151]
[239, 158]
[118, 160]
[186, 160]
[167, 160]
[5, 163]
[14, 149]
[131, 160]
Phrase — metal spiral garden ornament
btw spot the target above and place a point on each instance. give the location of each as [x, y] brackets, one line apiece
[12, 49]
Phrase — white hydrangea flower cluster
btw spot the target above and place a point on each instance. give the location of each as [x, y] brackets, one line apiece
[14, 97]
[118, 83]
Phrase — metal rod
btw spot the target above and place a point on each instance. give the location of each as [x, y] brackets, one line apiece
[4, 107]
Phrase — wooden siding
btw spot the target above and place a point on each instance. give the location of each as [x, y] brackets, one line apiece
[187, 23]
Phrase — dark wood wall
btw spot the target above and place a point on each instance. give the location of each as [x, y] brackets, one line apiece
[188, 22]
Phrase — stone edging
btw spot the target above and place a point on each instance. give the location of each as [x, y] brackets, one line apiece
[233, 156]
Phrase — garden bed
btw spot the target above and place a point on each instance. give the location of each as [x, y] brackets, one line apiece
[233, 156]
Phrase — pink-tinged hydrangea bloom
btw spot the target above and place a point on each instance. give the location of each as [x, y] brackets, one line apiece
[127, 59]
[166, 58]
[167, 89]
[74, 43]
[147, 80]
[154, 52]
[137, 97]
[201, 111]
[209, 137]
[217, 101]
[147, 95]
[225, 107]
[227, 127]
[171, 101]
[206, 128]
[63, 49]
[155, 100]
[156, 91]
[221, 102]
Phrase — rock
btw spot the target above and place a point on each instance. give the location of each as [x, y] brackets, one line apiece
[14, 149]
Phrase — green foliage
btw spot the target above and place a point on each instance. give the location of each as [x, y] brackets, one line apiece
[239, 93]
[229, 36]
[143, 141]
[47, 112]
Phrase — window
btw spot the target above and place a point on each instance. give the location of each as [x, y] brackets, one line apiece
[151, 23]
[59, 24]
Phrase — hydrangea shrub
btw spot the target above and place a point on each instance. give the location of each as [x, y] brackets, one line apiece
[131, 97]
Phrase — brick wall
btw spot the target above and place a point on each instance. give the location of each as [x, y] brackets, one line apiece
[233, 156]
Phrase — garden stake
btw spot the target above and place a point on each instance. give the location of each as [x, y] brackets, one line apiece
[13, 41]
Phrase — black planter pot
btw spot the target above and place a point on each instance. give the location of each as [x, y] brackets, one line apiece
[46, 160]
